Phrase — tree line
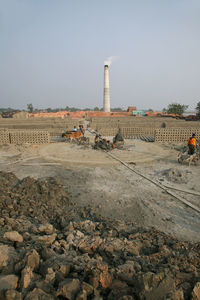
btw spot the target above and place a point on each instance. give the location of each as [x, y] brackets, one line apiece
[173, 108]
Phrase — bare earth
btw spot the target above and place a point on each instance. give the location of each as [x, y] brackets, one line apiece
[113, 191]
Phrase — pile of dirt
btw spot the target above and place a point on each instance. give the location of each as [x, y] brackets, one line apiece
[51, 249]
[175, 175]
[41, 200]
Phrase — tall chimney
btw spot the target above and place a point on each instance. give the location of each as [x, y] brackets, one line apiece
[106, 100]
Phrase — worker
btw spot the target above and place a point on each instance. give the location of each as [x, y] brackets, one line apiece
[75, 129]
[192, 143]
[97, 138]
[82, 130]
[118, 137]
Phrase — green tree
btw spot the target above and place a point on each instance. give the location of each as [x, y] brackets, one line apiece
[198, 109]
[30, 107]
[176, 108]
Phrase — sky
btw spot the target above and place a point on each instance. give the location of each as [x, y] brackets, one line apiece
[52, 53]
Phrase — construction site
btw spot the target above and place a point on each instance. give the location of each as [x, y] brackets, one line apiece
[81, 221]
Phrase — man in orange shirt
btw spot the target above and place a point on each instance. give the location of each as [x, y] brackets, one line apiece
[192, 143]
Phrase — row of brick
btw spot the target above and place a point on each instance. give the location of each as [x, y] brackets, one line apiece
[23, 137]
[160, 135]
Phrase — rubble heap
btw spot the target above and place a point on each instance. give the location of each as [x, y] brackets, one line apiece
[50, 249]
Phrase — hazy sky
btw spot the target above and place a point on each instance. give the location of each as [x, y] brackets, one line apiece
[52, 52]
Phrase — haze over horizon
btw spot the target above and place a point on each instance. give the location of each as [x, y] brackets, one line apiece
[52, 53]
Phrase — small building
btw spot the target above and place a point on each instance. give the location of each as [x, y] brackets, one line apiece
[131, 108]
[138, 113]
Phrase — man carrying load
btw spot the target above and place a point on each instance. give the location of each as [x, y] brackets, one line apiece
[192, 144]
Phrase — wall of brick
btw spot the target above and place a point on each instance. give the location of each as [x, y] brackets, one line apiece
[127, 132]
[4, 137]
[175, 134]
[29, 136]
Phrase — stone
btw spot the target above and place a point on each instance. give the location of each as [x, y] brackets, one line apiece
[8, 282]
[158, 289]
[126, 297]
[47, 239]
[7, 255]
[13, 236]
[46, 228]
[105, 280]
[13, 295]
[196, 292]
[38, 294]
[50, 276]
[68, 288]
[26, 276]
[33, 260]
[82, 295]
[88, 288]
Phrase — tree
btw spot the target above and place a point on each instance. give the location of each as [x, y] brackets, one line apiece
[198, 109]
[176, 108]
[30, 107]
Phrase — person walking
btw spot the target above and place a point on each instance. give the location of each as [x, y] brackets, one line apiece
[192, 143]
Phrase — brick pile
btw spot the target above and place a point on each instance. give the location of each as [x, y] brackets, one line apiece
[4, 137]
[127, 132]
[175, 134]
[29, 136]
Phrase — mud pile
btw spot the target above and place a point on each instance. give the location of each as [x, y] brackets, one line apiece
[51, 249]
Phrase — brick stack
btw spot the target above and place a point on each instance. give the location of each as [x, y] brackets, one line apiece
[127, 132]
[29, 136]
[4, 137]
[175, 135]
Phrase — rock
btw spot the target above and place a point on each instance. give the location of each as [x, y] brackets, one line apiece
[26, 276]
[97, 297]
[158, 289]
[13, 295]
[8, 282]
[57, 264]
[33, 260]
[68, 288]
[126, 271]
[88, 288]
[119, 289]
[47, 228]
[179, 295]
[88, 245]
[126, 297]
[38, 294]
[50, 276]
[47, 239]
[105, 280]
[70, 237]
[7, 256]
[196, 292]
[82, 295]
[13, 236]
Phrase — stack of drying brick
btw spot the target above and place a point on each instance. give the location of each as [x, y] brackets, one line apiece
[29, 136]
[127, 132]
[176, 134]
[4, 137]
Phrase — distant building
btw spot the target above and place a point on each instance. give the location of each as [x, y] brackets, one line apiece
[138, 113]
[131, 108]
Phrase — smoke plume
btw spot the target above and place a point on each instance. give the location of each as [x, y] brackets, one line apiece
[109, 60]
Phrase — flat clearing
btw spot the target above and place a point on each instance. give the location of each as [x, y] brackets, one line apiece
[113, 191]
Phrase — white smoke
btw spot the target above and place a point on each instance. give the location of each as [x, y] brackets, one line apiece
[109, 60]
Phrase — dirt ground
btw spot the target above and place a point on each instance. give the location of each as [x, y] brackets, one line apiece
[113, 191]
